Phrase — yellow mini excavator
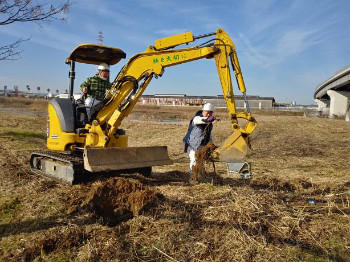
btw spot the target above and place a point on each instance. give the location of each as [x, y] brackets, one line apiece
[80, 146]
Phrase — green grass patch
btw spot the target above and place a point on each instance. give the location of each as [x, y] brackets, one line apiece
[8, 209]
[22, 139]
[59, 257]
[9, 206]
[23, 135]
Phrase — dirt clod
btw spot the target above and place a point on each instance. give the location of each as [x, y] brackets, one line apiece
[202, 157]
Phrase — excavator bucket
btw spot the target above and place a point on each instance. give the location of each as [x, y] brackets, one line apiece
[109, 159]
[234, 148]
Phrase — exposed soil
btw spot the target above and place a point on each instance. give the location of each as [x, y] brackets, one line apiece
[114, 200]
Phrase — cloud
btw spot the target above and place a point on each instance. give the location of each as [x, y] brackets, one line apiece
[52, 37]
[158, 5]
[277, 43]
[295, 41]
[288, 44]
[253, 54]
[104, 13]
[173, 31]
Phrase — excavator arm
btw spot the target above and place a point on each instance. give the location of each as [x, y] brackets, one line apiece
[135, 76]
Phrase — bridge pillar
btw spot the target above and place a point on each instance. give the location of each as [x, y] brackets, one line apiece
[323, 107]
[321, 104]
[339, 103]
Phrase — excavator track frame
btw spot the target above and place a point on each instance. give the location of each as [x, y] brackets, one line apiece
[62, 167]
[69, 168]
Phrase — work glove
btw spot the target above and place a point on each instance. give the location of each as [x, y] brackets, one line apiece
[210, 119]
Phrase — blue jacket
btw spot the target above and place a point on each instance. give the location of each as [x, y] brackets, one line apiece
[197, 136]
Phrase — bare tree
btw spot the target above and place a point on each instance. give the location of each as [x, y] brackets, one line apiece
[12, 11]
[10, 51]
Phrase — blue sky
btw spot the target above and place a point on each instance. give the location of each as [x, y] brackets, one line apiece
[285, 47]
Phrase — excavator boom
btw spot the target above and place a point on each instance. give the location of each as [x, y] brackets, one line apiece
[135, 76]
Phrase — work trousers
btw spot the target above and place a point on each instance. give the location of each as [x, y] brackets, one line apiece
[192, 155]
[89, 103]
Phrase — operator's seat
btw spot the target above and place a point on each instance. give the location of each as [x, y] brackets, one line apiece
[81, 117]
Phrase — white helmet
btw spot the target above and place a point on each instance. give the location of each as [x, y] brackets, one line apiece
[208, 107]
[103, 66]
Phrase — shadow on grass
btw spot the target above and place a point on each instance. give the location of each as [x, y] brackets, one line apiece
[164, 178]
[27, 226]
[39, 224]
[152, 179]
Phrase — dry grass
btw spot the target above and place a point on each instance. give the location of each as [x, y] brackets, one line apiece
[294, 160]
[19, 103]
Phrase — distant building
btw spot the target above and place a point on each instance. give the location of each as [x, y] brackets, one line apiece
[218, 101]
[76, 96]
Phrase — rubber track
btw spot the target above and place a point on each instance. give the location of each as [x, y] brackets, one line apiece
[68, 158]
[76, 162]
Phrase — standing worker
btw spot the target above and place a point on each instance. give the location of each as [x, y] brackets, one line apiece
[94, 88]
[199, 132]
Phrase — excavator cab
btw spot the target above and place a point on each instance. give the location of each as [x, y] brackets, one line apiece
[67, 117]
[90, 54]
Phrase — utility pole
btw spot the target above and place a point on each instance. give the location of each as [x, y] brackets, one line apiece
[100, 38]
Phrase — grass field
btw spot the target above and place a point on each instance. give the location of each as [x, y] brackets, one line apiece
[295, 208]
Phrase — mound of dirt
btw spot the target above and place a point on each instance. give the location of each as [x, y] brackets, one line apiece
[202, 157]
[116, 200]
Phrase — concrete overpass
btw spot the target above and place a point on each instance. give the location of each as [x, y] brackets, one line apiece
[332, 96]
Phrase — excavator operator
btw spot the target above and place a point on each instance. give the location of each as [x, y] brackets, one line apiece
[199, 132]
[95, 87]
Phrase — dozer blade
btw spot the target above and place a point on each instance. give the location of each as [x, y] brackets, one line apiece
[233, 148]
[109, 159]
